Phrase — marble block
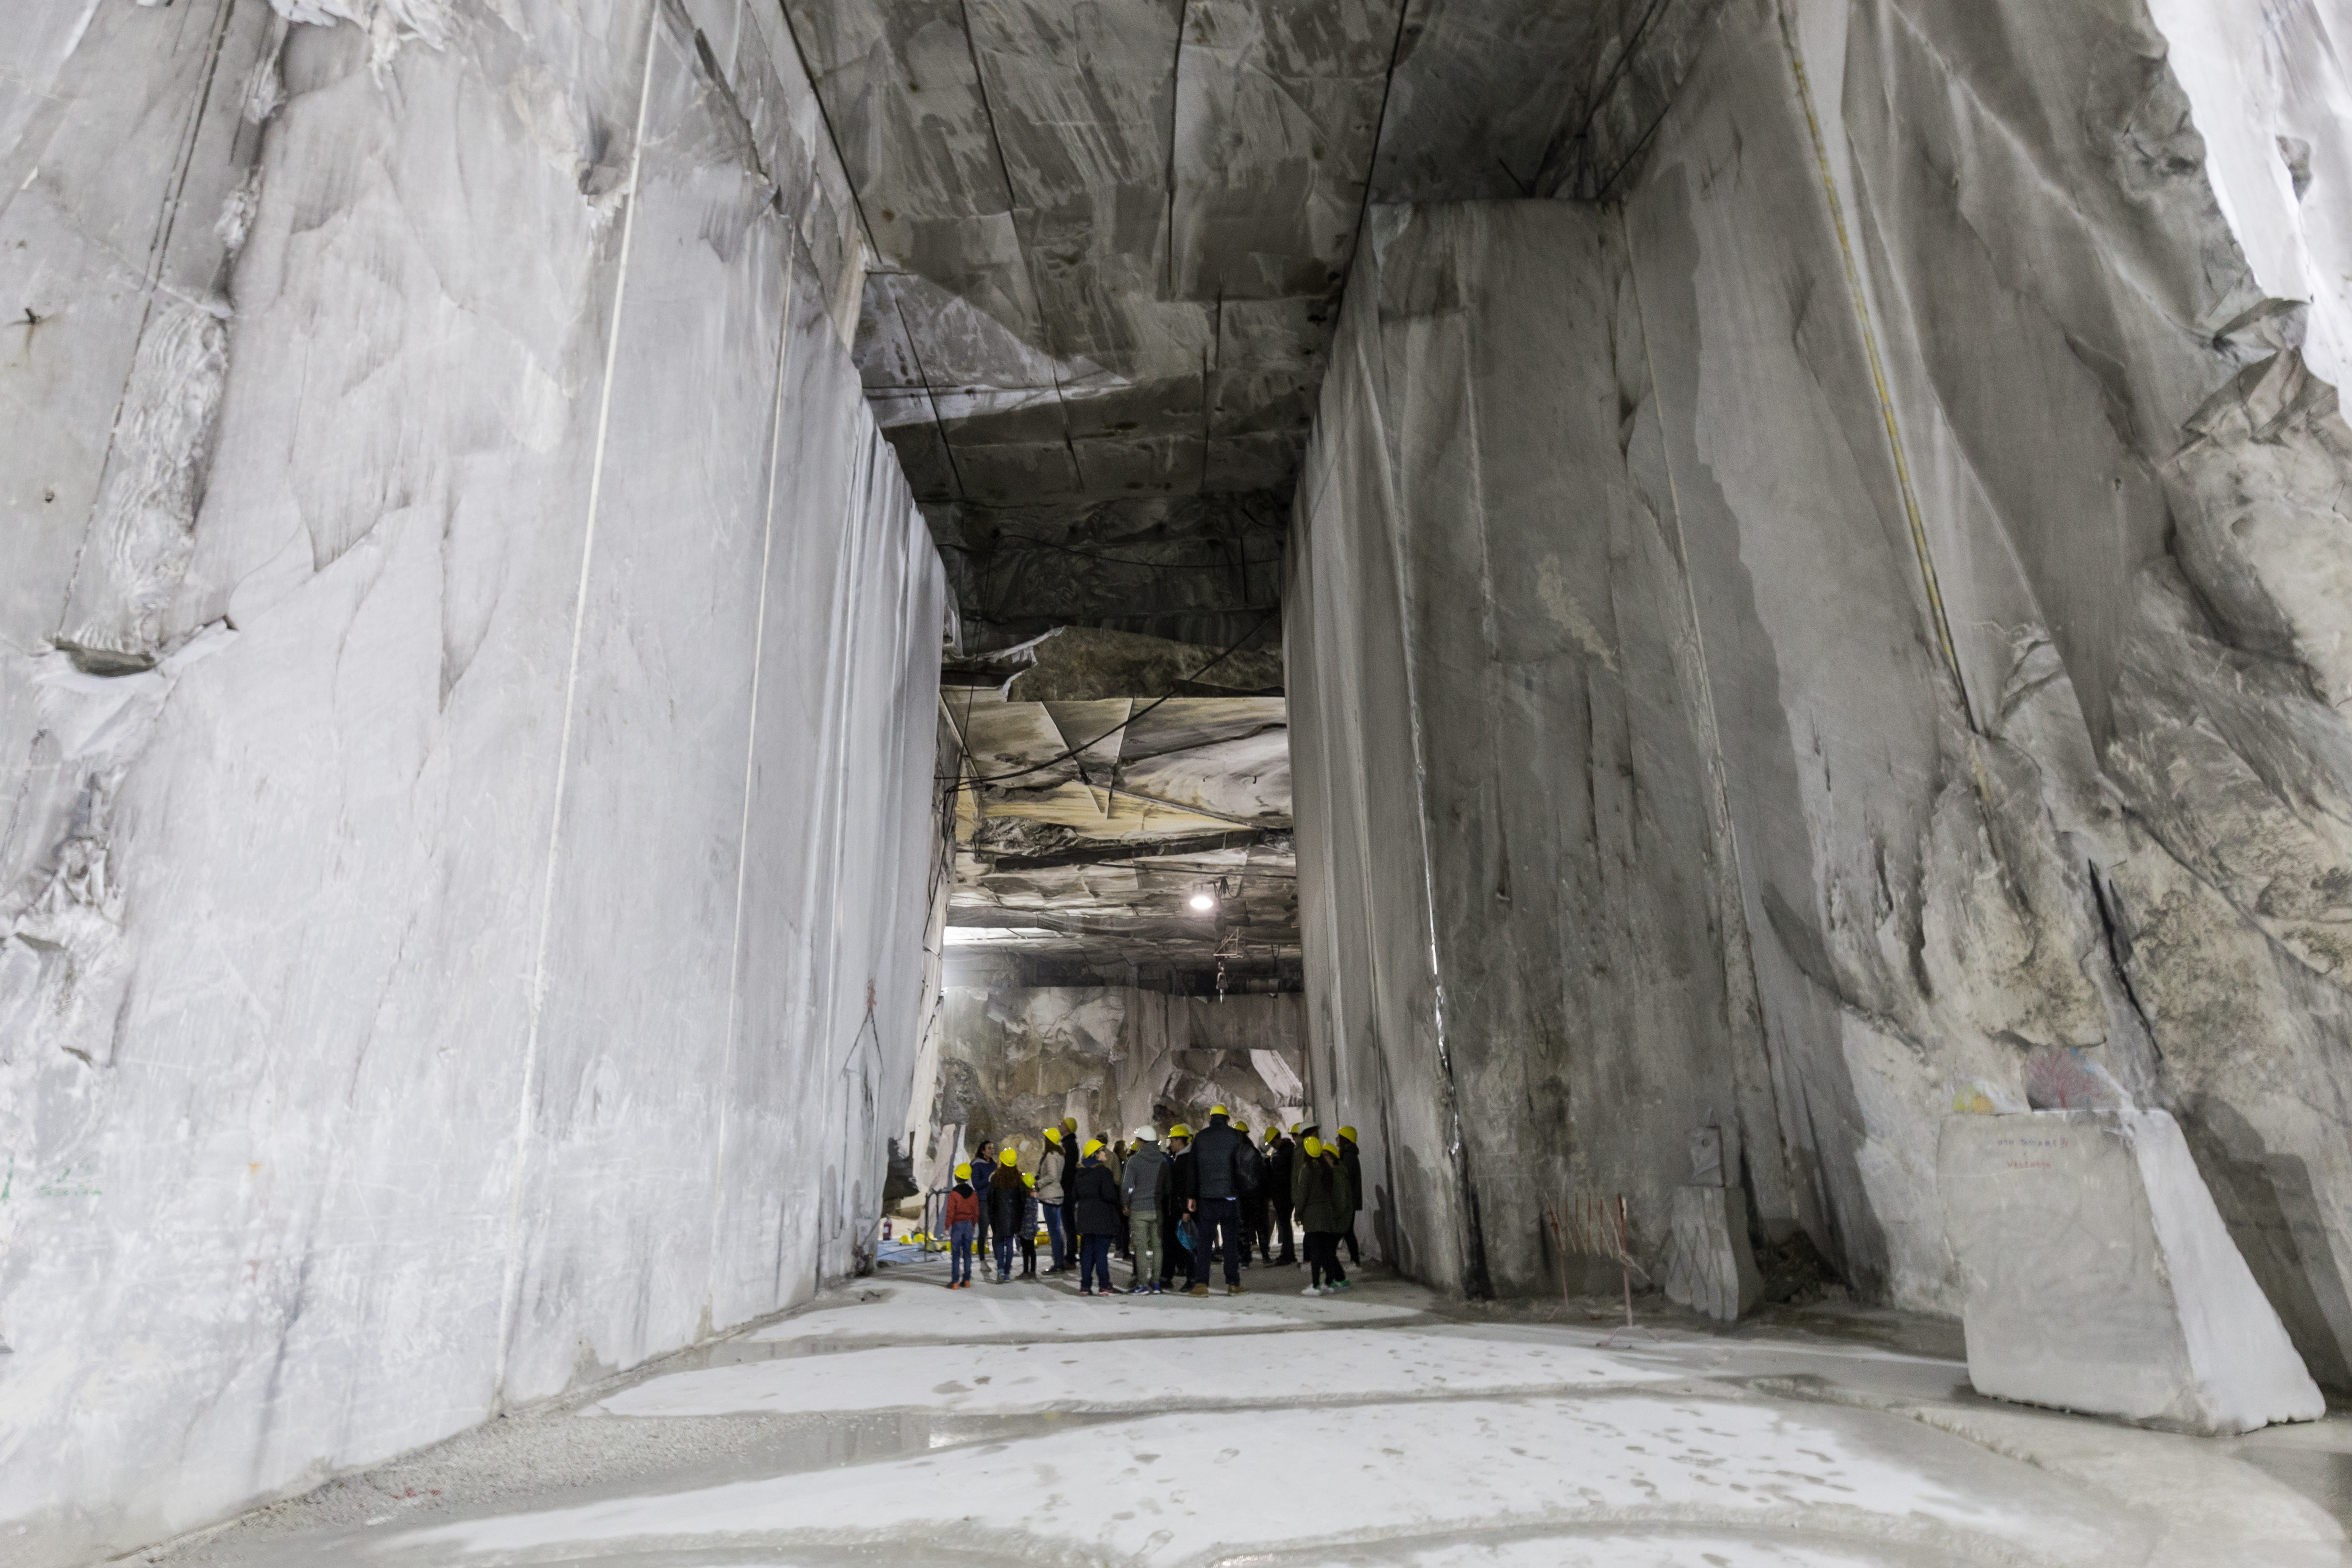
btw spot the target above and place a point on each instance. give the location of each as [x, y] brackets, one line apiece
[2099, 1277]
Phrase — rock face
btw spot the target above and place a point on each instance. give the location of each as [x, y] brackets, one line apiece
[467, 700]
[2100, 1277]
[1849, 630]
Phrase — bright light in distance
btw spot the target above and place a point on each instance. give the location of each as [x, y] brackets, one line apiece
[1204, 902]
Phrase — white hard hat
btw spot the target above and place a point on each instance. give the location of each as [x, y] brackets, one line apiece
[1146, 1134]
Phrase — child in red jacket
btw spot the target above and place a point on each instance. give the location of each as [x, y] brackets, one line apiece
[964, 1218]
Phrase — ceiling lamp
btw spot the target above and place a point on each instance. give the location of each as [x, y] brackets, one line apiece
[1205, 900]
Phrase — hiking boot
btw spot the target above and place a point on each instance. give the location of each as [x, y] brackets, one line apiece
[1198, 1291]
[1237, 1288]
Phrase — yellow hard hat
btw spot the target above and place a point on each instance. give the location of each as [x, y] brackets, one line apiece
[1010, 1157]
[1071, 1123]
[1272, 1133]
[1094, 1147]
[1027, 1179]
[1180, 1130]
[1216, 1110]
[1294, 1129]
[1349, 1134]
[963, 1172]
[1314, 1147]
[1053, 1135]
[1241, 1126]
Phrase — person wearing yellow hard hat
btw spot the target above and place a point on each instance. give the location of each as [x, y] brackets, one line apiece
[1354, 1163]
[1281, 1167]
[1093, 1215]
[1053, 1167]
[1320, 1191]
[1007, 1199]
[1220, 1182]
[962, 1218]
[1176, 1237]
[1031, 1219]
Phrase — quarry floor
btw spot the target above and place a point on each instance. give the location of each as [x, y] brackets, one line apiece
[894, 1421]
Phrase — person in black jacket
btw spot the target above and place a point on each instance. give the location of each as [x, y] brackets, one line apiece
[1008, 1198]
[983, 1171]
[1093, 1209]
[1280, 1156]
[1175, 1256]
[1220, 1173]
[1350, 1158]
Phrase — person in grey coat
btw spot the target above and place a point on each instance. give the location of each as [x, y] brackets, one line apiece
[1145, 1190]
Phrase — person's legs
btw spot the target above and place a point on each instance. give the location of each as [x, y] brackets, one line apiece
[1028, 1254]
[1054, 1234]
[1318, 1256]
[1282, 1229]
[960, 1252]
[1003, 1254]
[1235, 1242]
[1333, 1273]
[1096, 1269]
[1143, 1239]
[1353, 1255]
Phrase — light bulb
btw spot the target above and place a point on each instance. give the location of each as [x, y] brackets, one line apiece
[1204, 902]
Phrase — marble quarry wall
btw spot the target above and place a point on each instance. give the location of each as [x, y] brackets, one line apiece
[1849, 634]
[1013, 1059]
[468, 705]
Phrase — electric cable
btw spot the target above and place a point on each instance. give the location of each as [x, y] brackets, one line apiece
[1115, 728]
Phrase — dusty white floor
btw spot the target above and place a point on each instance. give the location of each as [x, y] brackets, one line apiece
[897, 1423]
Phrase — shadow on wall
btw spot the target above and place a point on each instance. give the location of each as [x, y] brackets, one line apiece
[2268, 1202]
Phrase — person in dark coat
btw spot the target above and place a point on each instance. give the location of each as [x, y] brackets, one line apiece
[1281, 1164]
[1032, 1216]
[984, 1168]
[1094, 1210]
[1116, 1158]
[1175, 1256]
[1319, 1191]
[1354, 1163]
[1008, 1199]
[1219, 1171]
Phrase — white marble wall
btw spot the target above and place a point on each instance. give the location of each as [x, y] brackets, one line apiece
[1961, 361]
[467, 734]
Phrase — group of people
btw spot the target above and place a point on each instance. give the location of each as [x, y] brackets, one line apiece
[1168, 1212]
